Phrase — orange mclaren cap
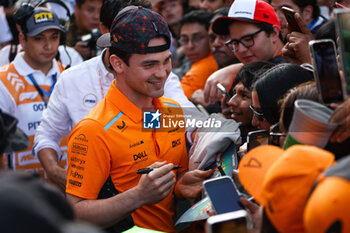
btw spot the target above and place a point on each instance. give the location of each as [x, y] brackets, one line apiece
[327, 209]
[283, 180]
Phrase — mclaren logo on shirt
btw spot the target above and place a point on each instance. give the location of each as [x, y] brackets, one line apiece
[122, 126]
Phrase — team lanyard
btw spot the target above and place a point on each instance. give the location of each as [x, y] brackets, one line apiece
[41, 91]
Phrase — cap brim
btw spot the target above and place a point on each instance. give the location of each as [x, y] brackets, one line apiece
[17, 141]
[221, 24]
[254, 166]
[104, 41]
[41, 29]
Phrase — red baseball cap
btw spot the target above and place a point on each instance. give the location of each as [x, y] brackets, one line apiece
[251, 11]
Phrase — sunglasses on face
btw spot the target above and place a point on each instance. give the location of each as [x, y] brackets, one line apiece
[247, 41]
[258, 115]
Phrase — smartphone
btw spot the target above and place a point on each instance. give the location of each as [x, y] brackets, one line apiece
[237, 222]
[257, 138]
[342, 26]
[326, 72]
[223, 194]
[223, 91]
[292, 23]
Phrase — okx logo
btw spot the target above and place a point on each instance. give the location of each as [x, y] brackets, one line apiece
[151, 120]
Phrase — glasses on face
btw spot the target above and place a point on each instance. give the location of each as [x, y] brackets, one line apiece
[194, 40]
[247, 41]
[222, 38]
[258, 115]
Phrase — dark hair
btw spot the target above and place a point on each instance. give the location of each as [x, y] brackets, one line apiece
[219, 13]
[80, 2]
[327, 31]
[197, 16]
[303, 3]
[250, 73]
[125, 56]
[274, 83]
[307, 91]
[110, 8]
[268, 29]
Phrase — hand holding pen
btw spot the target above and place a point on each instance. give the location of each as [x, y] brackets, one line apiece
[148, 169]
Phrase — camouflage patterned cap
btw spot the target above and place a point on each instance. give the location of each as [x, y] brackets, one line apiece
[133, 28]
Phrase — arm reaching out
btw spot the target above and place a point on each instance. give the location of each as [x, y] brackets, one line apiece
[226, 76]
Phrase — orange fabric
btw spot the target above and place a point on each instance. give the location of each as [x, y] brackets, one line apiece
[288, 178]
[27, 108]
[111, 140]
[197, 76]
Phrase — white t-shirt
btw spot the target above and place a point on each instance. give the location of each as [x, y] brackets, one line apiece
[5, 33]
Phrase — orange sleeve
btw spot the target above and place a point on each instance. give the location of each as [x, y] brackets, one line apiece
[197, 76]
[89, 159]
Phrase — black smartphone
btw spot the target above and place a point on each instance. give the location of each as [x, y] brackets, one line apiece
[257, 138]
[223, 91]
[326, 72]
[292, 23]
[223, 194]
[237, 221]
[342, 26]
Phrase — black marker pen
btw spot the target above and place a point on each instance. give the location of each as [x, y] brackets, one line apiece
[148, 169]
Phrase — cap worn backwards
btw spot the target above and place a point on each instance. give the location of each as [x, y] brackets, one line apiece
[251, 11]
[41, 20]
[133, 28]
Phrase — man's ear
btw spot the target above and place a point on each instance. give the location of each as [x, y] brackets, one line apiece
[307, 14]
[117, 64]
[21, 39]
[275, 34]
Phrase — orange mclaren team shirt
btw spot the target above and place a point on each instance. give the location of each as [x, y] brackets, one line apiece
[111, 141]
[197, 76]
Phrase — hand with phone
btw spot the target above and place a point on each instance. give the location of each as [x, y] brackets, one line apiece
[223, 194]
[326, 72]
[296, 50]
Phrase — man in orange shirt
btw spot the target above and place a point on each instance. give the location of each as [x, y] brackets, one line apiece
[195, 40]
[109, 146]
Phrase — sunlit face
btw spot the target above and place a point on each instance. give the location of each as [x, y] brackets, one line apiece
[255, 121]
[211, 5]
[42, 48]
[222, 54]
[195, 40]
[172, 11]
[277, 5]
[263, 48]
[240, 103]
[87, 16]
[145, 76]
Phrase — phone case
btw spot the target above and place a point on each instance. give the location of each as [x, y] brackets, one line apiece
[223, 194]
[292, 23]
[323, 56]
